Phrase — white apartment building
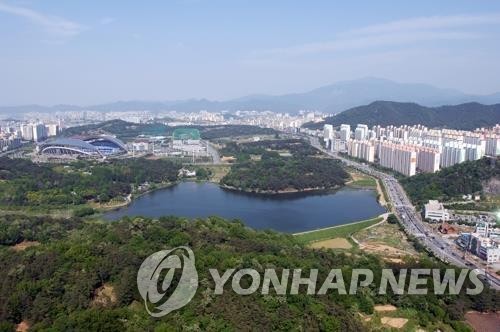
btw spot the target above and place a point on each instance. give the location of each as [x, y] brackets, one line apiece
[435, 210]
[473, 152]
[492, 146]
[52, 129]
[345, 132]
[27, 132]
[337, 145]
[428, 160]
[406, 148]
[361, 132]
[39, 132]
[361, 149]
[398, 157]
[453, 153]
[328, 132]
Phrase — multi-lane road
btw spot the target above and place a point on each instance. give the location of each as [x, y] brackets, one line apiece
[411, 220]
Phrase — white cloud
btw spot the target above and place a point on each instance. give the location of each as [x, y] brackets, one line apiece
[395, 33]
[56, 26]
[399, 38]
[427, 23]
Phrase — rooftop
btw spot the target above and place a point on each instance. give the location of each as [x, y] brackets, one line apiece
[434, 205]
[186, 133]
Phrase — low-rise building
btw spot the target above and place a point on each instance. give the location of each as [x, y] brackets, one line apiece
[434, 210]
[489, 254]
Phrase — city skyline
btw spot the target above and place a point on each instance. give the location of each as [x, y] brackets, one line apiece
[57, 53]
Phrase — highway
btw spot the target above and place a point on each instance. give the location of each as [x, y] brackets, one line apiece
[411, 219]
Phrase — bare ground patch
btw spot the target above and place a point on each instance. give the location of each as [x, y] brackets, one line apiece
[394, 322]
[24, 245]
[24, 326]
[336, 243]
[383, 249]
[385, 240]
[488, 322]
[104, 296]
[384, 308]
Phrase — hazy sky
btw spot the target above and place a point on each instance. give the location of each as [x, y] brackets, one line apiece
[86, 52]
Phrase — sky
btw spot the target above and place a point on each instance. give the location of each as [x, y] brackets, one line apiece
[90, 52]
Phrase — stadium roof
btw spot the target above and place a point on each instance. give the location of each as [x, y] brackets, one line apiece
[64, 146]
[111, 139]
[87, 146]
[74, 142]
[186, 133]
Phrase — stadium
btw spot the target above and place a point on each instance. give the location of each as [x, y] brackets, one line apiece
[94, 146]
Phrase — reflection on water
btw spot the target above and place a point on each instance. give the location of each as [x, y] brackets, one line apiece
[294, 212]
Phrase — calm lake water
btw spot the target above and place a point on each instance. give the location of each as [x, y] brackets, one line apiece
[286, 213]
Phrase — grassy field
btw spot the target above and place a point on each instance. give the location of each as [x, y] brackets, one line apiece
[361, 180]
[218, 171]
[364, 182]
[342, 231]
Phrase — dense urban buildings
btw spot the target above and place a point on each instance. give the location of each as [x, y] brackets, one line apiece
[484, 242]
[267, 119]
[412, 149]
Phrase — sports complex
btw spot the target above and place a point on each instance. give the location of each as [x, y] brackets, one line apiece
[91, 146]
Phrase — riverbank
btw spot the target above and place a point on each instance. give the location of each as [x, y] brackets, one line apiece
[340, 231]
[131, 197]
[364, 181]
[282, 192]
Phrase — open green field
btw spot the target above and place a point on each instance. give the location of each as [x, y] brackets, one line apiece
[367, 182]
[342, 231]
[361, 180]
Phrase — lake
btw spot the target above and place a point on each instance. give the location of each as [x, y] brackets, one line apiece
[291, 213]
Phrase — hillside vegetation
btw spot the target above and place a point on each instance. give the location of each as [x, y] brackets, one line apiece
[451, 182]
[24, 183]
[57, 285]
[128, 130]
[465, 116]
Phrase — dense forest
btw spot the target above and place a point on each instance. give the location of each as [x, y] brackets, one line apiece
[81, 276]
[243, 151]
[451, 182]
[23, 182]
[297, 168]
[122, 129]
[214, 132]
[128, 130]
[465, 116]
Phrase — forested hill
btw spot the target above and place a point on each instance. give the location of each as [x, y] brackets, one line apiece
[128, 130]
[72, 275]
[464, 116]
[452, 182]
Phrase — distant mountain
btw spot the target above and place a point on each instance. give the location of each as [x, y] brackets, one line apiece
[464, 116]
[332, 98]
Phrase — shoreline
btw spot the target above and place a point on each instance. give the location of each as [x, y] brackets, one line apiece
[131, 197]
[342, 225]
[281, 192]
[381, 198]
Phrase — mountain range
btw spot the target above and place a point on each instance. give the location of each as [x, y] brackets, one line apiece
[466, 116]
[331, 99]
